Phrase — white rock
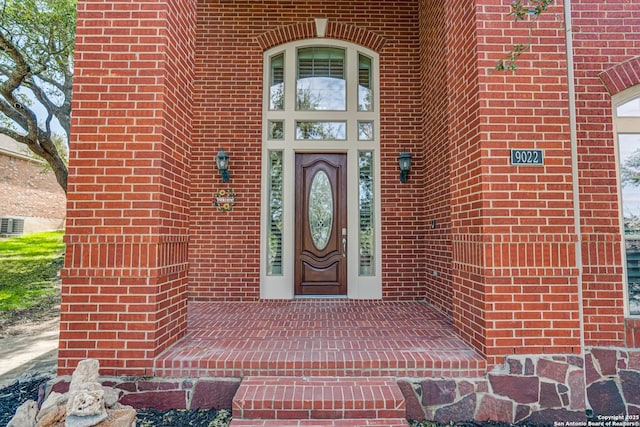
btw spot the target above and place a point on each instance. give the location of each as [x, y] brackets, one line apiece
[25, 415]
[53, 417]
[85, 403]
[111, 396]
[87, 371]
[89, 421]
[54, 399]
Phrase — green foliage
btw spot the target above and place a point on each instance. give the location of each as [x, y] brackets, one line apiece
[43, 30]
[29, 267]
[520, 11]
[509, 63]
[36, 73]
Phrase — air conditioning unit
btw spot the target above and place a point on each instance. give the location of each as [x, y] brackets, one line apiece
[11, 226]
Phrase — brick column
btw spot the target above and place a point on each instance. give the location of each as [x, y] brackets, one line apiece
[515, 277]
[124, 289]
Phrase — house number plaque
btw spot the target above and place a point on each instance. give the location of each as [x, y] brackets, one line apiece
[224, 200]
[526, 157]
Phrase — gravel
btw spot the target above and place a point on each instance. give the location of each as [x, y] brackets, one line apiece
[14, 395]
[205, 418]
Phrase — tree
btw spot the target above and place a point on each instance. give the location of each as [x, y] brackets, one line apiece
[36, 73]
[630, 170]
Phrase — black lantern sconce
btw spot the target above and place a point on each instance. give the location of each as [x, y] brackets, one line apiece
[404, 161]
[222, 160]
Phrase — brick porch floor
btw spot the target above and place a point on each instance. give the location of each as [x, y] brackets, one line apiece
[319, 337]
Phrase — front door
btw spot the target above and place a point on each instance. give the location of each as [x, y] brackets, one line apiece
[321, 224]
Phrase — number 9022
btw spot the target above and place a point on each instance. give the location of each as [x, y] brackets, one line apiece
[526, 157]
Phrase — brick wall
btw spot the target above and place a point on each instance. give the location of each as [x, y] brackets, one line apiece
[161, 88]
[437, 154]
[232, 36]
[532, 303]
[604, 38]
[125, 277]
[28, 192]
[514, 277]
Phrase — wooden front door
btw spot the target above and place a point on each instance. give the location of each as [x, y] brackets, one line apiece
[321, 224]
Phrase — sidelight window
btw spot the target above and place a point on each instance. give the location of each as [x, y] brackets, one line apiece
[366, 228]
[274, 234]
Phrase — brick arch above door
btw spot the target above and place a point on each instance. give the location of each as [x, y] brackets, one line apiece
[335, 30]
[622, 76]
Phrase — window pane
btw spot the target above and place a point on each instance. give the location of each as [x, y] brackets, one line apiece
[629, 109]
[321, 81]
[365, 89]
[276, 88]
[328, 131]
[320, 210]
[629, 145]
[365, 131]
[633, 274]
[276, 129]
[366, 228]
[274, 234]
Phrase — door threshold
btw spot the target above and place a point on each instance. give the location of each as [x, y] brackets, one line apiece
[320, 297]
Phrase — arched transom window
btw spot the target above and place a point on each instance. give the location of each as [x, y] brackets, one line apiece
[320, 174]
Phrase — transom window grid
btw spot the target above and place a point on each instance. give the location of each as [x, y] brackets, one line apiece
[299, 111]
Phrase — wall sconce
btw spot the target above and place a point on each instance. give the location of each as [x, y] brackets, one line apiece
[404, 161]
[222, 160]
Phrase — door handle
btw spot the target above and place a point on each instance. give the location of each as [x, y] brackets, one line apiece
[344, 246]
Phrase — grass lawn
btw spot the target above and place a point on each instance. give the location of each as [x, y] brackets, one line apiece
[29, 267]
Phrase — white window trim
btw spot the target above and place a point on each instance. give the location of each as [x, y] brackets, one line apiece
[282, 286]
[624, 125]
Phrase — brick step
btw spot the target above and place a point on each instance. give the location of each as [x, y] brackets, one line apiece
[395, 422]
[319, 398]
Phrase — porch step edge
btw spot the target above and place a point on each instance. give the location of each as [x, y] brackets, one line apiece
[382, 422]
[318, 398]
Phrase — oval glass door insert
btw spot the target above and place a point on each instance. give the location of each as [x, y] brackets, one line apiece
[320, 210]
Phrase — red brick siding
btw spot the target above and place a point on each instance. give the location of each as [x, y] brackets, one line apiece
[632, 333]
[143, 168]
[466, 184]
[622, 76]
[437, 154]
[307, 29]
[513, 234]
[27, 191]
[224, 247]
[125, 276]
[605, 37]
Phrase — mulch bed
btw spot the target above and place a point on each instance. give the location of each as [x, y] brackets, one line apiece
[14, 395]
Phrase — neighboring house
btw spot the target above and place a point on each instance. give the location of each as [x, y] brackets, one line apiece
[513, 220]
[31, 199]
